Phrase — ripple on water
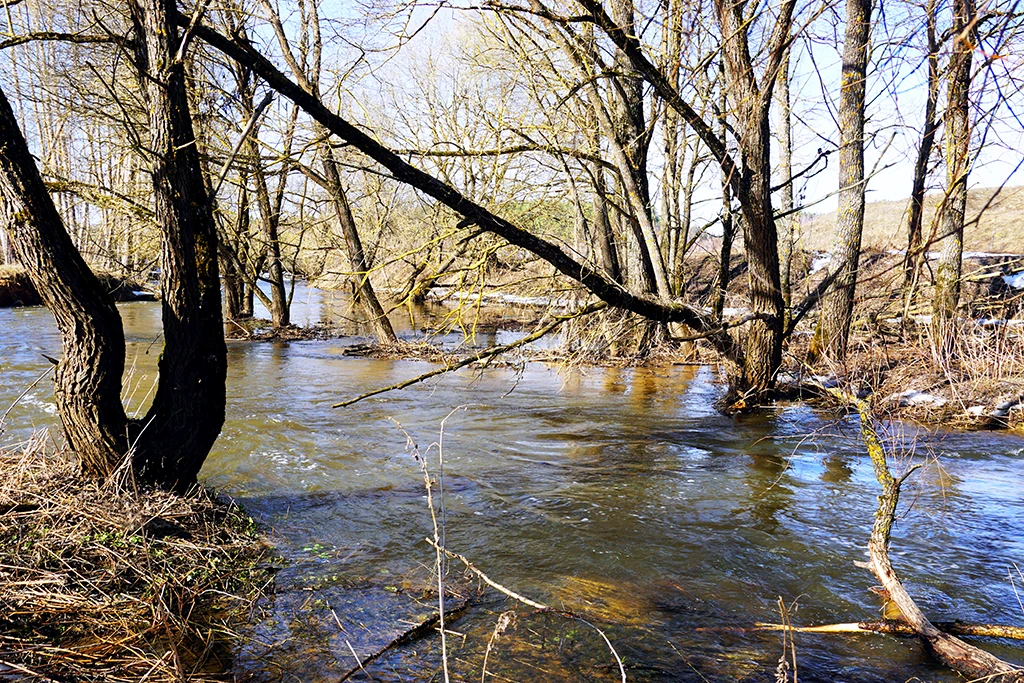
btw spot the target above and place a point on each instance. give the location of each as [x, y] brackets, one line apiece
[620, 487]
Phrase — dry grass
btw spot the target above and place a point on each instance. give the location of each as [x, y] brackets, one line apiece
[979, 383]
[102, 583]
[998, 229]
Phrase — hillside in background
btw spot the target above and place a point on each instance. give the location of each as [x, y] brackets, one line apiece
[999, 229]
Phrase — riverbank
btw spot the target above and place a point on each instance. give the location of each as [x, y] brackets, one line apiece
[979, 384]
[103, 582]
[17, 290]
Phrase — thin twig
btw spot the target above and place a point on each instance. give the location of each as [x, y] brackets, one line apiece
[481, 355]
[532, 603]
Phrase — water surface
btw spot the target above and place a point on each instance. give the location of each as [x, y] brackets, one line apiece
[615, 493]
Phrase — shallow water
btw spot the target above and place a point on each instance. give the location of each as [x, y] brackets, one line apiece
[618, 494]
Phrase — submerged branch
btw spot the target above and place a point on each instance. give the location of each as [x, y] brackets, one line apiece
[886, 626]
[414, 632]
[950, 650]
[481, 355]
[541, 608]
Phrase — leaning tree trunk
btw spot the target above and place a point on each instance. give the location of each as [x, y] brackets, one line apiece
[833, 331]
[958, 139]
[972, 662]
[378, 318]
[88, 379]
[177, 433]
[924, 155]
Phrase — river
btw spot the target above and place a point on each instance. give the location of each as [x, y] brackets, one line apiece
[619, 494]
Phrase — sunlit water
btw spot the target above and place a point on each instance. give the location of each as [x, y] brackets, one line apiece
[618, 494]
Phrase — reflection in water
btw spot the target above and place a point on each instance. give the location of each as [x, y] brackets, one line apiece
[838, 469]
[619, 493]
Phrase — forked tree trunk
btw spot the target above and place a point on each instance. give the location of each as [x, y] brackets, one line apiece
[88, 378]
[958, 140]
[177, 433]
[751, 106]
[833, 331]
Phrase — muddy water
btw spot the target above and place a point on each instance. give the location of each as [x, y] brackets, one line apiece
[618, 494]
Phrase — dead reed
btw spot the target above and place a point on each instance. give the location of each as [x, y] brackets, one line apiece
[104, 582]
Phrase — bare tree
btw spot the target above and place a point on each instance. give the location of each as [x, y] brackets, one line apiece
[167, 447]
[306, 69]
[833, 331]
[957, 150]
[924, 152]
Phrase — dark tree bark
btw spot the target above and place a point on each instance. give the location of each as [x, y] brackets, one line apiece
[88, 378]
[924, 154]
[751, 106]
[957, 143]
[169, 445]
[833, 331]
[176, 435]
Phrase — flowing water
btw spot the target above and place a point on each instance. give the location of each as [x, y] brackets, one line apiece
[617, 494]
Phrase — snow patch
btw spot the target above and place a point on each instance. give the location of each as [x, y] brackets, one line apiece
[1016, 280]
[912, 397]
[819, 262]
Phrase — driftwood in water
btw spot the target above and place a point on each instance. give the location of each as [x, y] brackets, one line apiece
[950, 650]
[888, 626]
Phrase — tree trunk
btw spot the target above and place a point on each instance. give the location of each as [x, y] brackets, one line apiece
[833, 331]
[924, 155]
[603, 230]
[234, 280]
[728, 225]
[958, 140]
[357, 260]
[177, 433]
[280, 313]
[751, 106]
[788, 233]
[88, 378]
[972, 662]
